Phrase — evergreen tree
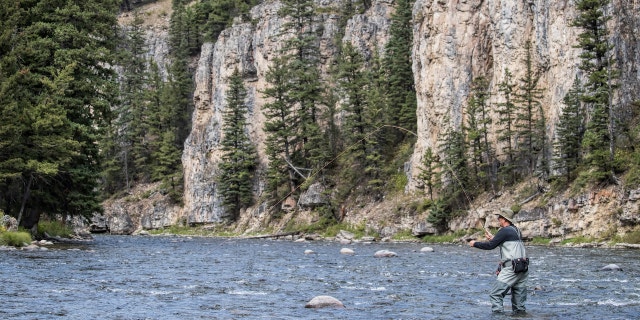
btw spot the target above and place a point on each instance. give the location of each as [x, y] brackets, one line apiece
[597, 63]
[531, 125]
[56, 89]
[374, 116]
[429, 173]
[401, 90]
[279, 128]
[352, 88]
[301, 53]
[507, 121]
[131, 124]
[455, 178]
[477, 132]
[569, 133]
[239, 158]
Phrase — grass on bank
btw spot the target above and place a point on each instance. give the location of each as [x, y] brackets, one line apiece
[15, 238]
[53, 228]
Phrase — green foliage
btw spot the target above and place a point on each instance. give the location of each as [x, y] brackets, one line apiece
[403, 235]
[56, 88]
[531, 124]
[597, 63]
[438, 216]
[54, 229]
[450, 237]
[476, 130]
[578, 240]
[239, 159]
[632, 237]
[401, 94]
[540, 241]
[429, 173]
[568, 142]
[15, 239]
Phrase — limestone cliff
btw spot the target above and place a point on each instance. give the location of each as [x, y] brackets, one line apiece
[454, 41]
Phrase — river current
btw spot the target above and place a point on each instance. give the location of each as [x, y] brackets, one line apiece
[165, 277]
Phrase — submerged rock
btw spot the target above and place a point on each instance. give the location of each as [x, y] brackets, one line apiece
[323, 302]
[611, 267]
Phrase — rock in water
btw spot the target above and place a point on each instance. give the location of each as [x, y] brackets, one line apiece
[611, 267]
[384, 254]
[323, 302]
[346, 251]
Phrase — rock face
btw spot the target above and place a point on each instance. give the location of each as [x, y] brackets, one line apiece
[454, 42]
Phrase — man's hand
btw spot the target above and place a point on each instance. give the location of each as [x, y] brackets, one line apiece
[471, 243]
[488, 234]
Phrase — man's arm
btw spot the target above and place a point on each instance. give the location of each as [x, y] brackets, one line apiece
[499, 238]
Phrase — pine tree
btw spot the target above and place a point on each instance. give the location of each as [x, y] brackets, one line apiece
[239, 159]
[131, 122]
[306, 91]
[352, 88]
[455, 178]
[597, 63]
[401, 90]
[531, 125]
[507, 122]
[429, 173]
[569, 133]
[279, 128]
[477, 132]
[374, 116]
[52, 70]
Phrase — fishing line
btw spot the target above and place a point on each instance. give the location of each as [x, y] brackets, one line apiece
[313, 174]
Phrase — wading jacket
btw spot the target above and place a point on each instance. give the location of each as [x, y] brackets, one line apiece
[511, 246]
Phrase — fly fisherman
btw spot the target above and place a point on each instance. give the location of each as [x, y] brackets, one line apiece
[509, 240]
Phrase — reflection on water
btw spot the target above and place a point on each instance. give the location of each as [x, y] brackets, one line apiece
[125, 277]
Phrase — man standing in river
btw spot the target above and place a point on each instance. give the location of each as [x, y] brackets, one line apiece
[509, 240]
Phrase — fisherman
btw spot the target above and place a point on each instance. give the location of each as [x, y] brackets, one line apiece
[512, 248]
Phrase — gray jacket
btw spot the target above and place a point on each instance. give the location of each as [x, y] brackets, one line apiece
[508, 238]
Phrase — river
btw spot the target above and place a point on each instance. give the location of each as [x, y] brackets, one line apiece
[167, 277]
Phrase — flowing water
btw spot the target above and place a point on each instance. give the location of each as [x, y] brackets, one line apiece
[127, 277]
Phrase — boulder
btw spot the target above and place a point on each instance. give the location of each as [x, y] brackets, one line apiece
[346, 251]
[313, 197]
[422, 229]
[426, 249]
[385, 254]
[323, 302]
[611, 267]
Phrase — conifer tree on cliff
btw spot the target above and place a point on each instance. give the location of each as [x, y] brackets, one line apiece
[56, 89]
[531, 124]
[279, 127]
[352, 89]
[477, 131]
[401, 91]
[302, 53]
[597, 63]
[239, 159]
[295, 142]
[569, 132]
[507, 121]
